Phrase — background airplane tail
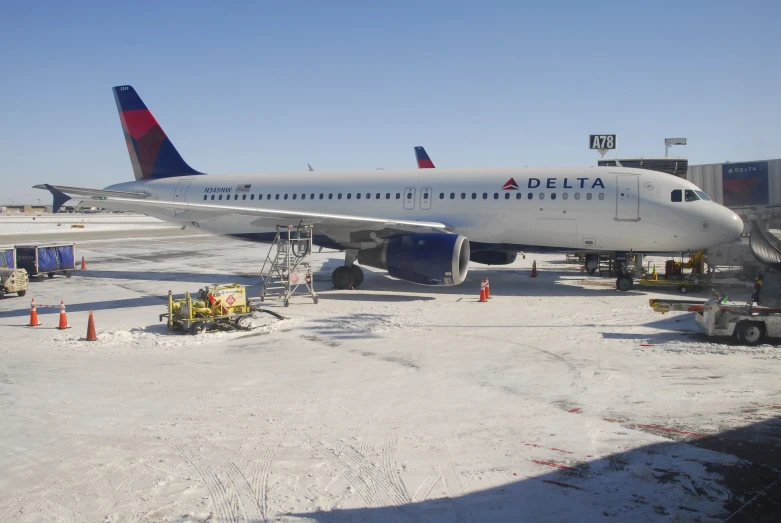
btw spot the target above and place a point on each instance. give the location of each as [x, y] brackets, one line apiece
[151, 152]
[424, 162]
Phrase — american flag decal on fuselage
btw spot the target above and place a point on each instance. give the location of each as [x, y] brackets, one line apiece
[243, 188]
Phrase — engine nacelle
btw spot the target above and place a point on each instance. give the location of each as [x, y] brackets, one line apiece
[493, 257]
[426, 259]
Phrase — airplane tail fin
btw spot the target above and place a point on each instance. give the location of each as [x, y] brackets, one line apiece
[151, 152]
[424, 162]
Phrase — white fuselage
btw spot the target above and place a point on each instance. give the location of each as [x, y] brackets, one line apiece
[592, 208]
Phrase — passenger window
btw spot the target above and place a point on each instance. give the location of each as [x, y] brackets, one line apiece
[409, 195]
[542, 196]
[398, 195]
[312, 196]
[368, 196]
[220, 198]
[339, 196]
[252, 196]
[496, 196]
[425, 196]
[463, 196]
[518, 196]
[303, 196]
[349, 195]
[294, 196]
[691, 196]
[565, 196]
[676, 195]
[205, 196]
[285, 196]
[357, 196]
[553, 196]
[330, 196]
[530, 196]
[387, 196]
[236, 196]
[377, 196]
[452, 196]
[485, 196]
[441, 196]
[276, 197]
[506, 196]
[321, 196]
[474, 195]
[268, 197]
[577, 196]
[601, 196]
[243, 196]
[588, 196]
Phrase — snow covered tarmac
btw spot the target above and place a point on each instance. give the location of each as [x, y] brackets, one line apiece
[559, 400]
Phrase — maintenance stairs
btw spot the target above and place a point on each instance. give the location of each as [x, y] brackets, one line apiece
[286, 269]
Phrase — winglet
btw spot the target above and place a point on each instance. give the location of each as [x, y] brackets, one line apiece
[424, 162]
[310, 167]
[59, 198]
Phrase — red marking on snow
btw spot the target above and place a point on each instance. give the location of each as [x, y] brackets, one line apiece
[611, 420]
[646, 344]
[775, 406]
[674, 431]
[514, 474]
[588, 455]
[548, 448]
[574, 410]
[551, 464]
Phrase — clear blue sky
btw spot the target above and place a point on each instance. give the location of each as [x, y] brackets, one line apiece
[271, 86]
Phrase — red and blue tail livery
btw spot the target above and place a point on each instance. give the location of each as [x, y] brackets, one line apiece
[152, 154]
[424, 162]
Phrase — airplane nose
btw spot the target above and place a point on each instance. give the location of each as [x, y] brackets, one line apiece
[732, 227]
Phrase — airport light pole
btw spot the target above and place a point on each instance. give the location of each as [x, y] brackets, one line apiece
[672, 141]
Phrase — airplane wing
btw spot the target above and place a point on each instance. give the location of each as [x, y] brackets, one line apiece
[138, 201]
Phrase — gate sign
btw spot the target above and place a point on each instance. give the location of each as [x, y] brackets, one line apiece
[745, 184]
[602, 141]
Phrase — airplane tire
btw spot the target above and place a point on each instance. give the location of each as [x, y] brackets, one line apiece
[358, 276]
[343, 277]
[624, 283]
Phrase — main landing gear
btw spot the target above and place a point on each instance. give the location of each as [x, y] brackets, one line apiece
[347, 277]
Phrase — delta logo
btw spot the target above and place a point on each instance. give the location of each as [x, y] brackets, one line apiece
[510, 185]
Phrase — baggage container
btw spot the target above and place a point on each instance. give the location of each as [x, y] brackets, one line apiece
[7, 258]
[46, 259]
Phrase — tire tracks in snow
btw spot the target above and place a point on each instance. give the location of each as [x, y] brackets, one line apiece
[224, 508]
[259, 481]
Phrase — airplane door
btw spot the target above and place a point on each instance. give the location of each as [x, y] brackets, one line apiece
[409, 198]
[425, 198]
[628, 197]
[180, 194]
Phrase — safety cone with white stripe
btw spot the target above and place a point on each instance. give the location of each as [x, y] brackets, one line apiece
[63, 319]
[483, 298]
[487, 289]
[534, 269]
[83, 264]
[34, 322]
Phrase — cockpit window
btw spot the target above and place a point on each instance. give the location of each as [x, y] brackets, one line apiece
[703, 196]
[691, 196]
[676, 196]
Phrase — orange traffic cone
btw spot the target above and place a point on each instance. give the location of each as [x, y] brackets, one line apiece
[83, 264]
[63, 319]
[534, 269]
[483, 297]
[487, 289]
[91, 336]
[34, 322]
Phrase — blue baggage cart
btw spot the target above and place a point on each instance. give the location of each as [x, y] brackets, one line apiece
[46, 259]
[7, 258]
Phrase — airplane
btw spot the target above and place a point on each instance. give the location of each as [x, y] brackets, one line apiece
[421, 228]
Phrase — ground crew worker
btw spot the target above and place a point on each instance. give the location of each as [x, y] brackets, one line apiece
[757, 289]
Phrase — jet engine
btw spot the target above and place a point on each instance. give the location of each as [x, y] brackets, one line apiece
[493, 257]
[425, 259]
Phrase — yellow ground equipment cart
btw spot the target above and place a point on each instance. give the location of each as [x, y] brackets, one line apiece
[223, 307]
